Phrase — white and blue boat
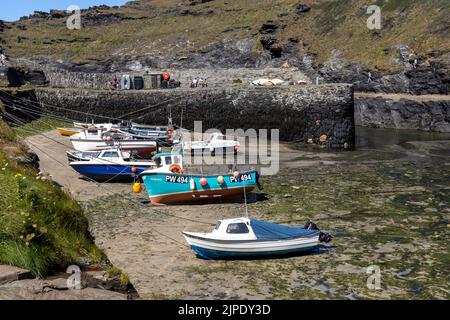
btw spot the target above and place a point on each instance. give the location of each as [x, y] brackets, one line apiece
[169, 184]
[247, 238]
[109, 165]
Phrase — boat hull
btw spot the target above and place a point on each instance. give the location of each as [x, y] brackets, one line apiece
[208, 249]
[111, 172]
[67, 132]
[169, 188]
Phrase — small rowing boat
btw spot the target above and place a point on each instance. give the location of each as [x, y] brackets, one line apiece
[244, 237]
[67, 132]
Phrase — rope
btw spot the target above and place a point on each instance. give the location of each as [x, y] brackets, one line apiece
[98, 183]
[121, 118]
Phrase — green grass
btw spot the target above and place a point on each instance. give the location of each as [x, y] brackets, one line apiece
[40, 125]
[41, 228]
[330, 25]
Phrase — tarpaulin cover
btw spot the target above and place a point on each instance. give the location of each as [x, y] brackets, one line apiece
[271, 231]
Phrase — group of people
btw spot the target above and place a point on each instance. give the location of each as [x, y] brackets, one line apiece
[199, 81]
[2, 56]
[113, 84]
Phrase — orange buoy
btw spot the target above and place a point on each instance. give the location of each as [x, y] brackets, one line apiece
[203, 182]
[134, 169]
[176, 168]
[166, 76]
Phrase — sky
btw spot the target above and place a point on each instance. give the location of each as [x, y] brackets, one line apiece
[12, 10]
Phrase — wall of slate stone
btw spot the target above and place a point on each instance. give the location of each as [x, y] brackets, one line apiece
[300, 112]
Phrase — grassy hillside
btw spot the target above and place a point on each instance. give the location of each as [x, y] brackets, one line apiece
[41, 228]
[174, 27]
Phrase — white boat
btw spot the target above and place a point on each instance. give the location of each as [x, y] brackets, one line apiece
[216, 144]
[243, 237]
[268, 82]
[94, 139]
[83, 125]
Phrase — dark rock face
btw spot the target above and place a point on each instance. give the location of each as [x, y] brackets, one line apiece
[431, 77]
[17, 77]
[378, 112]
[268, 38]
[20, 99]
[301, 113]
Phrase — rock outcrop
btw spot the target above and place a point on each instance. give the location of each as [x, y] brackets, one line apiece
[403, 113]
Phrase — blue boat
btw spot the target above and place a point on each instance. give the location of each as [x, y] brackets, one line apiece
[168, 184]
[110, 165]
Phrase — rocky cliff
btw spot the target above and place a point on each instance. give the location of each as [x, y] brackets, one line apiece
[428, 113]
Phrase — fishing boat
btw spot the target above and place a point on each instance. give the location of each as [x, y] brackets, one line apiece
[94, 139]
[67, 132]
[110, 165]
[216, 144]
[244, 237]
[168, 184]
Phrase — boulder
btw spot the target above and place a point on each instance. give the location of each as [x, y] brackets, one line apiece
[302, 8]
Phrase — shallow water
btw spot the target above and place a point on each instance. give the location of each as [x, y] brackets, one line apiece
[387, 204]
[373, 138]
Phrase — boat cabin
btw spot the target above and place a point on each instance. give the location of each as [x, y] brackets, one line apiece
[233, 229]
[166, 159]
[114, 154]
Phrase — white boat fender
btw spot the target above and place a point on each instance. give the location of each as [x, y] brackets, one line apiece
[220, 180]
[192, 184]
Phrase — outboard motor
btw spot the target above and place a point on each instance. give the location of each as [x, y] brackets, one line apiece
[323, 237]
[311, 226]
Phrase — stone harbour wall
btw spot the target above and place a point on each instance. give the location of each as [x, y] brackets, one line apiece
[301, 113]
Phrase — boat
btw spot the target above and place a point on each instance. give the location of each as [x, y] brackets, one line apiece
[248, 238]
[67, 132]
[110, 165]
[94, 139]
[84, 125]
[168, 184]
[216, 144]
